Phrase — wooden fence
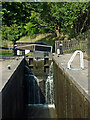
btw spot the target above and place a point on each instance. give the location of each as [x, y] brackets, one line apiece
[71, 45]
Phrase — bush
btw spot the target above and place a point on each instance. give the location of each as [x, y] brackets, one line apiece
[12, 33]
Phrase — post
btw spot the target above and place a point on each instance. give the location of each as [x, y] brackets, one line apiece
[58, 51]
[56, 45]
[23, 52]
[30, 60]
[15, 49]
[18, 52]
[61, 48]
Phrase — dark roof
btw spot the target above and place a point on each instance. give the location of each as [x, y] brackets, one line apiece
[40, 42]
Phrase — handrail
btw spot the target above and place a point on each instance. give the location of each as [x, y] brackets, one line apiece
[72, 58]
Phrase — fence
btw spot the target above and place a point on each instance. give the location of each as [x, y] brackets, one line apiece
[71, 45]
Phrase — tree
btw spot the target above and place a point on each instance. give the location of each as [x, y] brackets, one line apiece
[11, 33]
[66, 14]
[62, 17]
[41, 17]
[15, 13]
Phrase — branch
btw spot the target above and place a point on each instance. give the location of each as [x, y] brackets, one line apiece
[84, 22]
[43, 23]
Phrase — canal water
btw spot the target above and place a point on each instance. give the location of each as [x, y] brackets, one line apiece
[39, 84]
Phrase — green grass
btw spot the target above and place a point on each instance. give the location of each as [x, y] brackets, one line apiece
[6, 52]
[48, 38]
[36, 38]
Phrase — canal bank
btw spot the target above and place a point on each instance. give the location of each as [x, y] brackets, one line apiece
[72, 98]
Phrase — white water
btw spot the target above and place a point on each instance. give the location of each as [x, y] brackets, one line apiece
[49, 89]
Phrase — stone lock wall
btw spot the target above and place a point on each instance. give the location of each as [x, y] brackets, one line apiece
[12, 93]
[70, 103]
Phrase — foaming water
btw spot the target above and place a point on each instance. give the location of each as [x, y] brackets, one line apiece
[49, 95]
[33, 92]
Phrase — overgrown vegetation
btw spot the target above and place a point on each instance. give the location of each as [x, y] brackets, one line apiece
[28, 19]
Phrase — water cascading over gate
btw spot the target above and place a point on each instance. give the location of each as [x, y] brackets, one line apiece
[49, 88]
[33, 93]
[39, 102]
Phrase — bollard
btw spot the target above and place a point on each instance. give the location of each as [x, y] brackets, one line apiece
[61, 49]
[15, 49]
[18, 52]
[58, 51]
[23, 53]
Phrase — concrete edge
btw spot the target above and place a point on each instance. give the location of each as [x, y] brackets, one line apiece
[77, 85]
[9, 73]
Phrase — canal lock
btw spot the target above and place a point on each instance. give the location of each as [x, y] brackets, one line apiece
[39, 90]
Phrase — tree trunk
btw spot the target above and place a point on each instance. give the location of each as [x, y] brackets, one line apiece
[75, 26]
[83, 25]
[57, 29]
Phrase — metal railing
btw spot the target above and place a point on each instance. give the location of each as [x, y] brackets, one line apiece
[72, 58]
[71, 45]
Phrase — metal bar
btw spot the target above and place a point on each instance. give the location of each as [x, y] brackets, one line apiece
[72, 58]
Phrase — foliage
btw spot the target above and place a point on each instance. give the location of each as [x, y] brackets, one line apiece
[11, 33]
[32, 26]
[6, 52]
[22, 18]
[72, 18]
[15, 12]
[14, 17]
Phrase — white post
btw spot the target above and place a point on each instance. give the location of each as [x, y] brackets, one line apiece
[81, 60]
[27, 51]
[58, 51]
[18, 52]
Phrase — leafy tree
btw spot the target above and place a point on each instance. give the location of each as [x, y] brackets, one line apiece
[62, 17]
[11, 33]
[41, 17]
[15, 13]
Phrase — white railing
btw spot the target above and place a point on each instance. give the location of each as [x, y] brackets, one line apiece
[72, 58]
[33, 46]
